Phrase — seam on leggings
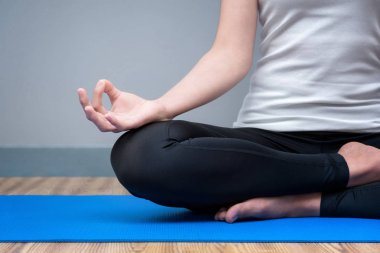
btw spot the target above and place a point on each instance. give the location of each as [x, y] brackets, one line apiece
[243, 151]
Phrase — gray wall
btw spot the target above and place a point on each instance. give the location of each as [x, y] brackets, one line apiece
[49, 48]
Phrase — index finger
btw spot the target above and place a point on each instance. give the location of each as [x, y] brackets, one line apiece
[110, 89]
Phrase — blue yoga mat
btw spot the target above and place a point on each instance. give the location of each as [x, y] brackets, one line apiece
[39, 218]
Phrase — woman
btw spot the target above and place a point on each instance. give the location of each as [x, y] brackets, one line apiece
[307, 138]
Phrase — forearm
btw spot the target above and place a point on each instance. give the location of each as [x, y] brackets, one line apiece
[214, 74]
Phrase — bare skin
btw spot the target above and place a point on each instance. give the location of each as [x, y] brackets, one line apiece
[220, 69]
[364, 165]
[130, 111]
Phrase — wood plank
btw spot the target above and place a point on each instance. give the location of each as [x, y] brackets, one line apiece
[61, 186]
[110, 186]
[142, 247]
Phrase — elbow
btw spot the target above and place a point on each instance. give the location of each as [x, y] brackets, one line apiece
[240, 66]
[246, 65]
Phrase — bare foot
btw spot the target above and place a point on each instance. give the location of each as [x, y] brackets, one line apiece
[363, 162]
[364, 165]
[305, 205]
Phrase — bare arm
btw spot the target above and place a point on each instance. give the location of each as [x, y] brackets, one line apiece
[223, 66]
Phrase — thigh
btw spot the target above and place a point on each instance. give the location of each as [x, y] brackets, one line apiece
[325, 141]
[182, 130]
[372, 139]
[334, 144]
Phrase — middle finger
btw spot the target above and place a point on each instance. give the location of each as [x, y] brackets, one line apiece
[97, 102]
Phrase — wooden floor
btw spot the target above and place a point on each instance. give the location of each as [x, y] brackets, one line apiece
[108, 185]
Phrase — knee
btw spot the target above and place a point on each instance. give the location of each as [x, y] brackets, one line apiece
[135, 153]
[146, 162]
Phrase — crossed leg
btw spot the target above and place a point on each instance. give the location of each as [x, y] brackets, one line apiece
[364, 163]
[203, 167]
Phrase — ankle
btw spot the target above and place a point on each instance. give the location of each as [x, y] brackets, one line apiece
[305, 205]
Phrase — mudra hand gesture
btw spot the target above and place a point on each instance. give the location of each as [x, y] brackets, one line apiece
[128, 111]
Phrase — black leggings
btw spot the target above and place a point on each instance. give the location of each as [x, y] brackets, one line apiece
[203, 167]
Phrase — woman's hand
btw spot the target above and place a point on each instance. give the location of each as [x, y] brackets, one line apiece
[128, 111]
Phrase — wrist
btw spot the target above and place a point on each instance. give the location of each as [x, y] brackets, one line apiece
[165, 113]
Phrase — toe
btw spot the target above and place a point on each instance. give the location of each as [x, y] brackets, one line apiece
[233, 213]
[221, 214]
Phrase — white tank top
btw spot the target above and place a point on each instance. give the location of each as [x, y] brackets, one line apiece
[319, 69]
